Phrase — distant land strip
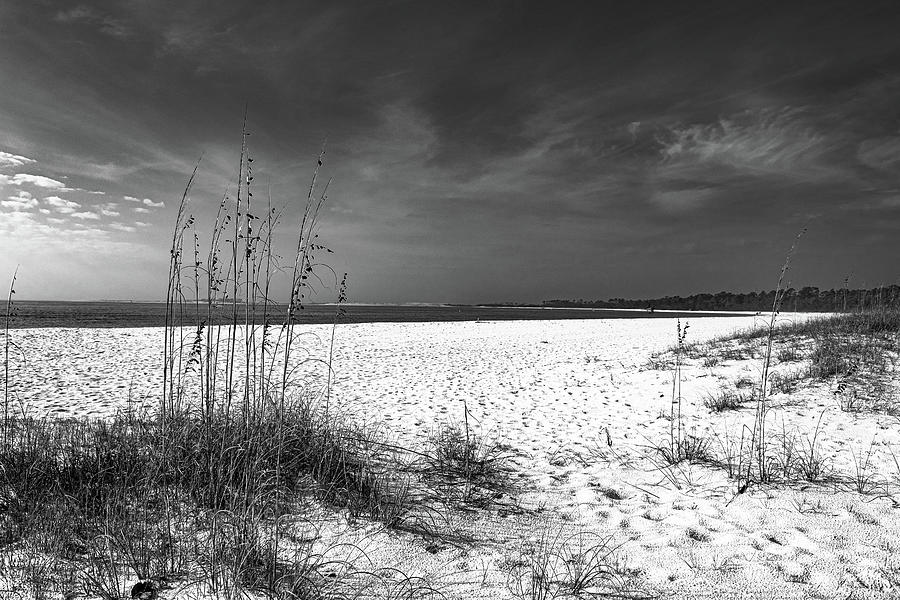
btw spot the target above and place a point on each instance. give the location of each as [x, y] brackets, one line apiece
[806, 299]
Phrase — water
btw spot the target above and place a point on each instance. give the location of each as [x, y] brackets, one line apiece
[153, 314]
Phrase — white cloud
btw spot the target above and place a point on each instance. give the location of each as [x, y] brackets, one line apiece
[85, 215]
[36, 180]
[21, 195]
[141, 224]
[62, 205]
[122, 227]
[14, 221]
[13, 160]
[96, 192]
[109, 209]
[145, 202]
[22, 200]
[25, 236]
[141, 209]
[44, 211]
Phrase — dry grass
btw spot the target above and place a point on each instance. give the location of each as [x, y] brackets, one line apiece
[467, 466]
[129, 499]
[727, 400]
[582, 565]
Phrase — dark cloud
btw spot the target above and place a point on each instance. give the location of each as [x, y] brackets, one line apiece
[481, 151]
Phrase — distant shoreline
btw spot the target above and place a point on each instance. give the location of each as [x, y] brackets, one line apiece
[119, 314]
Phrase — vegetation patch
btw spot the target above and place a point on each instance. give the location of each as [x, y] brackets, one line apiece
[468, 466]
[727, 400]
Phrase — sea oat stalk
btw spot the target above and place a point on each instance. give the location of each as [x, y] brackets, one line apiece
[6, 346]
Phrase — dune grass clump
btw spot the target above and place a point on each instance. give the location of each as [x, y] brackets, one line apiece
[711, 361]
[582, 565]
[830, 358]
[680, 446]
[754, 462]
[724, 400]
[785, 382]
[792, 457]
[837, 355]
[689, 448]
[812, 465]
[128, 499]
[658, 362]
[879, 319]
[674, 452]
[790, 354]
[467, 464]
[855, 352]
[799, 458]
[842, 344]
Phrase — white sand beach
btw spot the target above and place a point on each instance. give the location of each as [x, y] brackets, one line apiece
[580, 406]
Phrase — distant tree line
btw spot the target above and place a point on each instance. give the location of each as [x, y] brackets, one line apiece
[806, 299]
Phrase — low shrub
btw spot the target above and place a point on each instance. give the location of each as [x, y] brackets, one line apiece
[726, 400]
[473, 465]
[690, 447]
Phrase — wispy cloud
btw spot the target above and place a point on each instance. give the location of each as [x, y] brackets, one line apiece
[141, 209]
[675, 200]
[152, 204]
[8, 159]
[762, 142]
[724, 160]
[105, 23]
[880, 153]
[106, 171]
[122, 227]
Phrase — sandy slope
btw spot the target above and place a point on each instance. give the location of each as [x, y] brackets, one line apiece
[580, 406]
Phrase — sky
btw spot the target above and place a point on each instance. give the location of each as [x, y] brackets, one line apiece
[480, 151]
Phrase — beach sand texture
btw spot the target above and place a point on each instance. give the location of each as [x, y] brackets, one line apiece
[579, 403]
